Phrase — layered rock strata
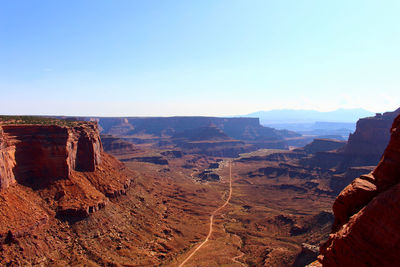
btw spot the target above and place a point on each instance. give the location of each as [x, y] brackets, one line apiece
[37, 154]
[138, 129]
[50, 170]
[116, 145]
[7, 162]
[366, 231]
[364, 147]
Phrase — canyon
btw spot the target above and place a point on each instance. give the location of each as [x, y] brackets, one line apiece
[159, 130]
[146, 191]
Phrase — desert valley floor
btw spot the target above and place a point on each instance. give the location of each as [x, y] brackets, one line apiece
[265, 222]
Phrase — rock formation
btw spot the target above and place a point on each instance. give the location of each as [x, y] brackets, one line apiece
[139, 129]
[320, 145]
[366, 231]
[366, 145]
[210, 141]
[36, 154]
[116, 145]
[7, 162]
[53, 169]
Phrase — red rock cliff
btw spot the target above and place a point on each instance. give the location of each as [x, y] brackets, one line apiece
[36, 154]
[366, 230]
[53, 171]
[370, 138]
[7, 162]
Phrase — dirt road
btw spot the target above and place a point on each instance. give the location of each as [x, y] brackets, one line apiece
[212, 218]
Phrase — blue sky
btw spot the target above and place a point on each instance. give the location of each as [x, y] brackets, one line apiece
[206, 57]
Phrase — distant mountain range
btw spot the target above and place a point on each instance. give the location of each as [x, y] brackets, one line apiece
[309, 116]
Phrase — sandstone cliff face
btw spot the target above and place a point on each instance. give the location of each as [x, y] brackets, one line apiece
[53, 171]
[364, 147]
[7, 162]
[88, 147]
[37, 154]
[370, 139]
[366, 231]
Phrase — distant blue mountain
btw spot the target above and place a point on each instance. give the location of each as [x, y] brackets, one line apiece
[309, 116]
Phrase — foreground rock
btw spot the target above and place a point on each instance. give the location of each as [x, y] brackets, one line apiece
[53, 169]
[366, 231]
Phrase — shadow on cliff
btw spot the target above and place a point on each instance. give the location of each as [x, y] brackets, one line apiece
[35, 169]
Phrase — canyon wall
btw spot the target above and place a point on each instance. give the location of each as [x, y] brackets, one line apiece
[366, 231]
[7, 162]
[159, 126]
[366, 145]
[53, 169]
[116, 145]
[245, 129]
[38, 154]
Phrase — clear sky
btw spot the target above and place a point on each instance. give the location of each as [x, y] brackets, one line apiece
[205, 57]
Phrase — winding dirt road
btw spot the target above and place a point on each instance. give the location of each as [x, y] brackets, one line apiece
[212, 217]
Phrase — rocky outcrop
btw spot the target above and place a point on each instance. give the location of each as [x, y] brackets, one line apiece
[53, 169]
[320, 145]
[38, 154]
[339, 181]
[89, 147]
[308, 254]
[366, 145]
[7, 162]
[210, 141]
[366, 231]
[116, 145]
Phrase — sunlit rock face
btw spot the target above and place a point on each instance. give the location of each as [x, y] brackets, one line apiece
[7, 162]
[37, 154]
[53, 169]
[366, 231]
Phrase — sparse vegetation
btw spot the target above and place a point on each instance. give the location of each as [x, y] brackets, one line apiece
[39, 120]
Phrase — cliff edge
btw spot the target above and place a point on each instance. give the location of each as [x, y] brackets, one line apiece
[38, 154]
[366, 231]
[53, 169]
